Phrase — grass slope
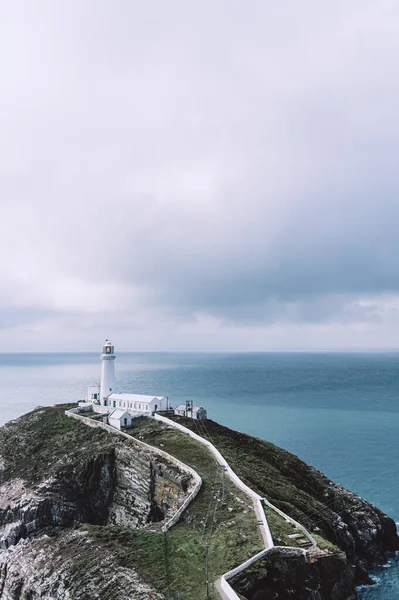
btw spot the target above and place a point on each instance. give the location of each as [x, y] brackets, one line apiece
[287, 482]
[227, 525]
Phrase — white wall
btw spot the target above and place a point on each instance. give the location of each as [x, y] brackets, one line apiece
[107, 385]
[93, 389]
[114, 423]
[161, 404]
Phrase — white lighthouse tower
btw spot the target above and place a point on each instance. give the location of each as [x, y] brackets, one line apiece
[107, 385]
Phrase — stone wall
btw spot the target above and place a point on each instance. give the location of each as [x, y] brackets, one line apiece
[193, 490]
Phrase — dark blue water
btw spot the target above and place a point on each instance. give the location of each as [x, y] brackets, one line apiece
[339, 412]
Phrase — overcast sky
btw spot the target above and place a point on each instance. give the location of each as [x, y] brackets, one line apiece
[217, 175]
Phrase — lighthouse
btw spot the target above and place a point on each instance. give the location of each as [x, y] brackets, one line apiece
[102, 398]
[107, 385]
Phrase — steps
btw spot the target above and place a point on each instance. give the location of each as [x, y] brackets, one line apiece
[301, 540]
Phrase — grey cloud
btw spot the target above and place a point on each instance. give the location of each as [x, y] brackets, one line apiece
[232, 161]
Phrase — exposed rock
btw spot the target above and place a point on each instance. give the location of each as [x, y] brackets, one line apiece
[110, 482]
[73, 566]
[284, 577]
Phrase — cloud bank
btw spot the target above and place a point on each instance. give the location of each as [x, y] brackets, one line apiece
[199, 176]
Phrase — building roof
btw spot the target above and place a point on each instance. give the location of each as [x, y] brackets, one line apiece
[134, 397]
[184, 407]
[118, 413]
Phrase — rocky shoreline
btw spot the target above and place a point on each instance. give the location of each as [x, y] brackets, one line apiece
[73, 501]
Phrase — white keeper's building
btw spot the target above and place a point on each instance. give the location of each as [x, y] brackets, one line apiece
[105, 399]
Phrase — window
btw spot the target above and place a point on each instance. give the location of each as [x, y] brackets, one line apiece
[139, 406]
[125, 421]
[110, 389]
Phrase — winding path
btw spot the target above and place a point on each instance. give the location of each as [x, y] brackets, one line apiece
[222, 585]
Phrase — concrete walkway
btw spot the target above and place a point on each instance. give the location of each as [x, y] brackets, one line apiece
[222, 586]
[255, 498]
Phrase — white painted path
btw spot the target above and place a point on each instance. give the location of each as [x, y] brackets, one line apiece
[222, 585]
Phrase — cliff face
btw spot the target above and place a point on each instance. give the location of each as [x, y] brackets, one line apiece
[92, 478]
[77, 564]
[280, 577]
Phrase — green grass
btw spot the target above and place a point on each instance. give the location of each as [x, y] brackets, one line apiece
[287, 482]
[228, 527]
[325, 544]
[41, 443]
[280, 529]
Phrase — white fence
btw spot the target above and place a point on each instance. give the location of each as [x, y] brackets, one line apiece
[258, 501]
[290, 520]
[265, 530]
[259, 511]
[198, 481]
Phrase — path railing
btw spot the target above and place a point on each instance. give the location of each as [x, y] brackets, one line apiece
[223, 587]
[74, 413]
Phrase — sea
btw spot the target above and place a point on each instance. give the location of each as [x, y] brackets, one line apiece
[336, 411]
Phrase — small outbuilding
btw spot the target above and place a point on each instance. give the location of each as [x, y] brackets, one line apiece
[93, 394]
[119, 418]
[192, 412]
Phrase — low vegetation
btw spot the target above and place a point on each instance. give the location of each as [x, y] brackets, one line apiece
[221, 519]
[43, 441]
[294, 487]
[219, 527]
[280, 529]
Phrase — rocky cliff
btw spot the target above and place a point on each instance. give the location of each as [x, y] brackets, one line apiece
[281, 577]
[81, 509]
[57, 474]
[350, 523]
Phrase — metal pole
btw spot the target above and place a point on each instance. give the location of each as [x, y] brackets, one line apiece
[166, 558]
[206, 570]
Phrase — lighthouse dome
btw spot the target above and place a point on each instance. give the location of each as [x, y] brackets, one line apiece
[108, 348]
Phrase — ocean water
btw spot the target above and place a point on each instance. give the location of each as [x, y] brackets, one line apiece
[339, 412]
